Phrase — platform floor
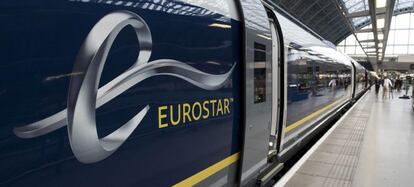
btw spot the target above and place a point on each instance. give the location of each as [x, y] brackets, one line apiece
[373, 145]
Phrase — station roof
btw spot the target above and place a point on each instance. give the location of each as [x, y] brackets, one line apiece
[335, 20]
[322, 16]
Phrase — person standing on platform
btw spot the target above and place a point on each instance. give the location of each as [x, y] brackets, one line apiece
[387, 86]
[332, 84]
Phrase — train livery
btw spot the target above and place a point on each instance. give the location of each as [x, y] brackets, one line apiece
[162, 92]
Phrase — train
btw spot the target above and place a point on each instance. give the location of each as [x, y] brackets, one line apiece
[162, 92]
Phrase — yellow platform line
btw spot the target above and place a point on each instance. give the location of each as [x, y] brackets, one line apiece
[310, 116]
[200, 176]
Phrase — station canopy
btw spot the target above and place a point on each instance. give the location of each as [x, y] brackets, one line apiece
[377, 32]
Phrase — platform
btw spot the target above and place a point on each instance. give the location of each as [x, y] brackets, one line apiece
[372, 145]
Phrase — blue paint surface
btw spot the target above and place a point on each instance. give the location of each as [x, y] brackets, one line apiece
[39, 43]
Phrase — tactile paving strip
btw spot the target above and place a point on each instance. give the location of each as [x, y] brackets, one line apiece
[336, 159]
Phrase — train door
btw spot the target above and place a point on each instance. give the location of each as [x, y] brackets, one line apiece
[353, 81]
[261, 90]
[257, 91]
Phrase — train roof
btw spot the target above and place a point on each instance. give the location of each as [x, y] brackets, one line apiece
[298, 38]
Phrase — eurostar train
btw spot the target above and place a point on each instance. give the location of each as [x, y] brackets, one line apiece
[162, 92]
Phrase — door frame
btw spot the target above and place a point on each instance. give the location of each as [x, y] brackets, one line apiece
[281, 79]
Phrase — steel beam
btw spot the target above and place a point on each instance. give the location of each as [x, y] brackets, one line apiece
[387, 23]
[358, 14]
[371, 40]
[363, 30]
[373, 14]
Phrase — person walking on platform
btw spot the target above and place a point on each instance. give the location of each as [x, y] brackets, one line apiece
[377, 86]
[387, 86]
[398, 84]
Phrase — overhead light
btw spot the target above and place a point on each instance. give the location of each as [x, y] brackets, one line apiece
[380, 44]
[380, 36]
[380, 23]
[380, 3]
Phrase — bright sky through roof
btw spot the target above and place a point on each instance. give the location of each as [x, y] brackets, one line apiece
[380, 3]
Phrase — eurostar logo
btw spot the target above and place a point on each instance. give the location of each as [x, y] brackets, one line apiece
[85, 96]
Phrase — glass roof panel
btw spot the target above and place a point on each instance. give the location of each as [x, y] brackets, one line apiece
[353, 6]
[356, 8]
[400, 38]
[402, 4]
[403, 1]
[358, 20]
[351, 3]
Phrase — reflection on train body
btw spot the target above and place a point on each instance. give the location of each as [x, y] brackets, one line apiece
[315, 83]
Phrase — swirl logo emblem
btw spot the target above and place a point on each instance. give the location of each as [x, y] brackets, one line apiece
[85, 95]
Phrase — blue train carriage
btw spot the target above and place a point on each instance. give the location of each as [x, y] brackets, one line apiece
[160, 93]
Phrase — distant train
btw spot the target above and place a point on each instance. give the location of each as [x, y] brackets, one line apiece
[162, 92]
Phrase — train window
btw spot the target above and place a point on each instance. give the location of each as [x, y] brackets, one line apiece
[259, 73]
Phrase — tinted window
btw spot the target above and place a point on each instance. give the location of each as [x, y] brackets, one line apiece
[259, 73]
